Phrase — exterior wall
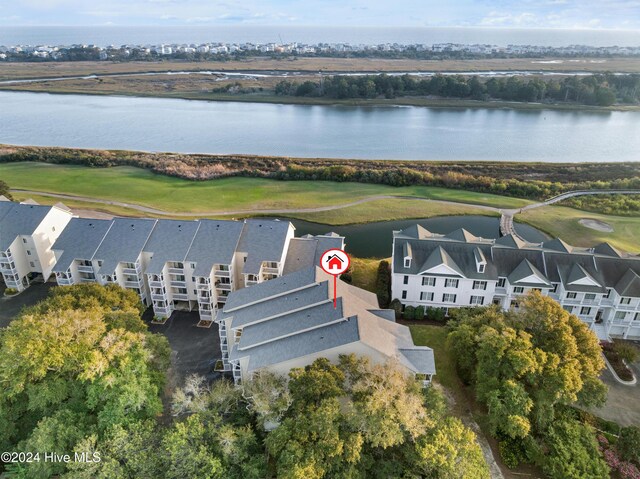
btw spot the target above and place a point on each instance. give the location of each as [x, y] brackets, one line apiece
[594, 311]
[45, 235]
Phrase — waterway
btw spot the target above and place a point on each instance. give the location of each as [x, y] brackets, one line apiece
[184, 126]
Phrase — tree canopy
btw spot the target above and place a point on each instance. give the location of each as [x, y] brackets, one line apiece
[526, 366]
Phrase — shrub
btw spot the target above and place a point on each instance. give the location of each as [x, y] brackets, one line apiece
[419, 312]
[396, 305]
[512, 452]
[383, 284]
[10, 291]
[616, 362]
[629, 444]
[409, 312]
[626, 351]
[435, 314]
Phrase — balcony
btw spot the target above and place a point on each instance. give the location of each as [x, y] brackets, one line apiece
[163, 311]
[64, 281]
[132, 284]
[180, 297]
[83, 268]
[223, 286]
[501, 291]
[222, 273]
[7, 270]
[204, 286]
[156, 284]
[175, 270]
[206, 315]
[178, 284]
[87, 280]
[158, 297]
[131, 271]
[268, 270]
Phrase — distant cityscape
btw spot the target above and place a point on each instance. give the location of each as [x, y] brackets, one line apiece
[200, 51]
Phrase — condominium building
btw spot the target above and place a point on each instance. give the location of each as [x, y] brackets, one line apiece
[291, 321]
[27, 232]
[600, 285]
[306, 251]
[173, 264]
[120, 255]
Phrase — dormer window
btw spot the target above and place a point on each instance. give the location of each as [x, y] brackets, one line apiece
[481, 268]
[407, 262]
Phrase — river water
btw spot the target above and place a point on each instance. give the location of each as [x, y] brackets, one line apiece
[184, 126]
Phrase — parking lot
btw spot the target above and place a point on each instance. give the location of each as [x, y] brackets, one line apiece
[10, 307]
[195, 350]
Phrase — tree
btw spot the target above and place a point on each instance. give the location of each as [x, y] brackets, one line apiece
[4, 190]
[75, 365]
[383, 284]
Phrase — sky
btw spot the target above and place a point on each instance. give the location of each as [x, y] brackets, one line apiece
[571, 14]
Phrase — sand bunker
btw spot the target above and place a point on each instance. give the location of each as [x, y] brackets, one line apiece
[596, 225]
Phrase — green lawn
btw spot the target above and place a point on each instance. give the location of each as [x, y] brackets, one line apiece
[436, 338]
[138, 186]
[563, 222]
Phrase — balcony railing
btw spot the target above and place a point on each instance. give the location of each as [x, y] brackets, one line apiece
[64, 281]
[7, 270]
[223, 286]
[175, 270]
[204, 286]
[180, 296]
[87, 280]
[178, 284]
[83, 268]
[132, 284]
[158, 297]
[223, 274]
[156, 284]
[269, 270]
[132, 271]
[165, 311]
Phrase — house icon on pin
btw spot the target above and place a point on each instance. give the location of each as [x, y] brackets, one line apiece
[334, 261]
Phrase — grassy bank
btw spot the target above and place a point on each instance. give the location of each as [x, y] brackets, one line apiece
[197, 90]
[142, 187]
[564, 222]
[21, 70]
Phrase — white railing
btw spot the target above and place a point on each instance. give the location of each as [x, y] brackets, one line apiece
[64, 281]
[269, 270]
[82, 268]
[180, 296]
[175, 270]
[224, 274]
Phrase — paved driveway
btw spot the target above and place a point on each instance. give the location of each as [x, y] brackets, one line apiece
[195, 350]
[10, 307]
[623, 402]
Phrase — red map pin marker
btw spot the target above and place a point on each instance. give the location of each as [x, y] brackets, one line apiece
[335, 262]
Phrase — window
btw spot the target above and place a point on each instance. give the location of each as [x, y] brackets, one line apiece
[555, 288]
[589, 297]
[32, 264]
[584, 311]
[195, 292]
[480, 285]
[99, 263]
[568, 309]
[404, 295]
[24, 240]
[451, 283]
[572, 295]
[425, 296]
[625, 300]
[193, 266]
[481, 268]
[29, 252]
[608, 293]
[502, 282]
[448, 298]
[405, 280]
[636, 317]
[620, 315]
[518, 289]
[53, 228]
[477, 300]
[407, 262]
[428, 281]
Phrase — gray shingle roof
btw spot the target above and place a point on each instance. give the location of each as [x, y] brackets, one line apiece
[305, 252]
[273, 287]
[123, 243]
[79, 240]
[17, 219]
[300, 345]
[461, 234]
[510, 241]
[629, 284]
[558, 245]
[169, 241]
[262, 240]
[290, 323]
[280, 304]
[416, 231]
[607, 250]
[214, 243]
[524, 270]
[422, 358]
